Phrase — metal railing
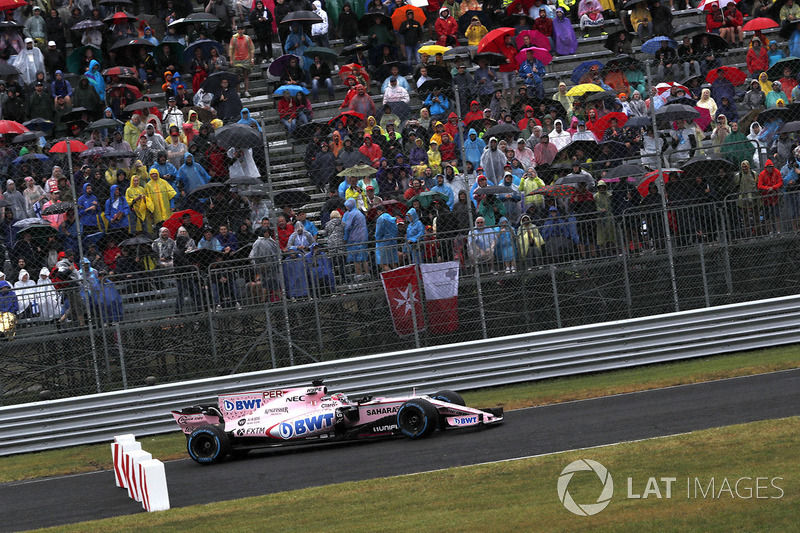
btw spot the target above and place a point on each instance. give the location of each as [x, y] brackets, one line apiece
[463, 366]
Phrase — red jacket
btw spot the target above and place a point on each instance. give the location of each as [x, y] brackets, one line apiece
[712, 24]
[286, 109]
[769, 183]
[373, 153]
[732, 21]
[510, 52]
[757, 61]
[448, 151]
[445, 27]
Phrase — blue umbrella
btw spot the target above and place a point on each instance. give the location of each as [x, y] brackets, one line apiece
[583, 68]
[652, 46]
[30, 157]
[293, 89]
[204, 44]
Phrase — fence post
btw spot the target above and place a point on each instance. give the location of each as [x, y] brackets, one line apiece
[210, 310]
[414, 314]
[703, 274]
[726, 248]
[555, 294]
[627, 282]
[121, 356]
[315, 296]
[269, 334]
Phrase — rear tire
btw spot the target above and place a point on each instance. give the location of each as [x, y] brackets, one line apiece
[208, 445]
[417, 419]
[449, 396]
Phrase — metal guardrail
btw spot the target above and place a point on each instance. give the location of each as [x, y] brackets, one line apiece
[501, 361]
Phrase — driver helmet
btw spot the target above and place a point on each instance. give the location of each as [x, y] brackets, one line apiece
[340, 397]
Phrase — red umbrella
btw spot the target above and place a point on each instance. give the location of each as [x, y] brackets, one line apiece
[539, 53]
[492, 41]
[760, 23]
[119, 17]
[650, 177]
[556, 191]
[11, 127]
[353, 69]
[601, 125]
[176, 221]
[736, 76]
[705, 117]
[5, 5]
[666, 87]
[344, 115]
[125, 87]
[537, 39]
[393, 207]
[74, 147]
[399, 15]
[120, 71]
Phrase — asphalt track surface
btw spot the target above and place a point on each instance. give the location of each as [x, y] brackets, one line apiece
[525, 432]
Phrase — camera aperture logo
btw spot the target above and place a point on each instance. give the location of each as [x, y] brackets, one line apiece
[586, 509]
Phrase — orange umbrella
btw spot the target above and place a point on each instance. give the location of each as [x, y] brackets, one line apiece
[760, 23]
[492, 41]
[353, 69]
[399, 15]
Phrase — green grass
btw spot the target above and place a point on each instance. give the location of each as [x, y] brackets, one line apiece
[172, 446]
[521, 495]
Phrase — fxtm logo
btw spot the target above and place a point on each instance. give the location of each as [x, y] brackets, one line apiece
[287, 430]
[585, 465]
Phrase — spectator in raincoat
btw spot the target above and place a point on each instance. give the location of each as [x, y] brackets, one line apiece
[89, 209]
[191, 175]
[355, 236]
[482, 244]
[414, 233]
[8, 298]
[386, 240]
[506, 243]
[117, 210]
[160, 192]
[529, 241]
[47, 297]
[141, 205]
[96, 79]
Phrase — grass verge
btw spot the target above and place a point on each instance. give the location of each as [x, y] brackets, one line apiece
[521, 495]
[173, 446]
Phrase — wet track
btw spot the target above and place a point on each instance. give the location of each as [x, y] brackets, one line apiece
[525, 432]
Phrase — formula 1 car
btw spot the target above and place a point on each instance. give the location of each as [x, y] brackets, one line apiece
[304, 415]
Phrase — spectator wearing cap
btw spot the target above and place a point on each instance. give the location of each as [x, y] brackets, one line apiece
[39, 103]
[395, 93]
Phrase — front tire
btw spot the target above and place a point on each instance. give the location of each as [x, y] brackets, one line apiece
[417, 419]
[449, 396]
[208, 445]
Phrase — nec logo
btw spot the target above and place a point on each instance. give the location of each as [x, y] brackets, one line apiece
[296, 398]
[287, 430]
[241, 405]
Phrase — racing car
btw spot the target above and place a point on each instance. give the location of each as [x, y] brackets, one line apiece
[240, 422]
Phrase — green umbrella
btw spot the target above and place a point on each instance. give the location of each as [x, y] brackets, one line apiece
[427, 198]
[75, 59]
[325, 54]
[359, 170]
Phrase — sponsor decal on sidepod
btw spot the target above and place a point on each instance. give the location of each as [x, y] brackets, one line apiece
[303, 426]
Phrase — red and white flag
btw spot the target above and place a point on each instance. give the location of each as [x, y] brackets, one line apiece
[402, 292]
[441, 295]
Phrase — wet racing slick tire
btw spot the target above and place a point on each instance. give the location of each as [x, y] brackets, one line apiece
[208, 444]
[417, 419]
[448, 396]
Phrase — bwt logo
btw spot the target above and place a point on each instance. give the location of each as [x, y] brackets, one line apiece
[586, 509]
[464, 420]
[287, 430]
[241, 405]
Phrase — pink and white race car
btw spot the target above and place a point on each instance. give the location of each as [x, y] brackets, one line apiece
[280, 417]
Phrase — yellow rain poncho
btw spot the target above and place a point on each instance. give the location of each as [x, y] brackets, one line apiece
[141, 206]
[160, 193]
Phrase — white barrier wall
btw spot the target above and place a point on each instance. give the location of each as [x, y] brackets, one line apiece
[135, 470]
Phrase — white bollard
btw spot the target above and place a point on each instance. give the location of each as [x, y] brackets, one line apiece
[153, 488]
[122, 444]
[132, 460]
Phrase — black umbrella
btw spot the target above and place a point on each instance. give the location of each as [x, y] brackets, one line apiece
[673, 112]
[707, 165]
[464, 52]
[492, 58]
[292, 198]
[621, 61]
[439, 72]
[683, 100]
[514, 20]
[213, 84]
[119, 153]
[385, 70]
[588, 147]
[309, 129]
[259, 190]
[75, 114]
[625, 171]
[612, 38]
[776, 71]
[39, 230]
[88, 24]
[604, 95]
[203, 257]
[639, 122]
[124, 43]
[401, 109]
[430, 85]
[790, 127]
[5, 203]
[574, 179]
[494, 189]
[8, 70]
[352, 49]
[141, 105]
[239, 136]
[466, 19]
[502, 130]
[58, 208]
[201, 17]
[369, 20]
[10, 24]
[244, 180]
[773, 113]
[630, 3]
[205, 191]
[688, 30]
[717, 43]
[304, 16]
[28, 136]
[105, 123]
